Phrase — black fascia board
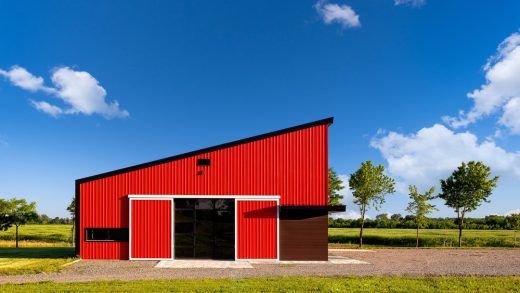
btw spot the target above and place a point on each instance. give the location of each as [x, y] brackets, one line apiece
[334, 208]
[326, 121]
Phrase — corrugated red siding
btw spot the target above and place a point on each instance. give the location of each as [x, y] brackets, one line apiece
[256, 229]
[292, 165]
[151, 228]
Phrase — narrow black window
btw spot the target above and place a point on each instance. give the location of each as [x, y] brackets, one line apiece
[107, 234]
[203, 162]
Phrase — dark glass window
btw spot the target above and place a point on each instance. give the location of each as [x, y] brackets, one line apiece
[205, 228]
[107, 234]
[203, 162]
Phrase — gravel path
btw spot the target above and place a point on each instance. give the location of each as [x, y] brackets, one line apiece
[382, 262]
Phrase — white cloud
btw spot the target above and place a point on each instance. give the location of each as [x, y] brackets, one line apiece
[415, 3]
[433, 153]
[348, 214]
[345, 192]
[335, 13]
[22, 78]
[515, 211]
[47, 108]
[501, 92]
[511, 116]
[78, 90]
[82, 92]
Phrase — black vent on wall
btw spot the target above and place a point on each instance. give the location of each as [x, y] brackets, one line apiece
[203, 162]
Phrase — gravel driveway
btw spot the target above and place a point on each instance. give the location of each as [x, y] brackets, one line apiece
[382, 262]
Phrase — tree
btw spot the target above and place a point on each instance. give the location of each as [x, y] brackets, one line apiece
[396, 217]
[466, 189]
[369, 186]
[420, 207]
[335, 186]
[513, 221]
[72, 210]
[44, 219]
[382, 217]
[16, 212]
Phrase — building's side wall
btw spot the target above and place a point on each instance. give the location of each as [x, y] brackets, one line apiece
[257, 229]
[292, 165]
[303, 235]
[151, 231]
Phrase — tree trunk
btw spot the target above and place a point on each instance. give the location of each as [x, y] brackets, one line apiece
[362, 224]
[417, 240]
[16, 236]
[461, 222]
[72, 234]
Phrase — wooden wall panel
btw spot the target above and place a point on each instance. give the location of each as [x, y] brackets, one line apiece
[303, 235]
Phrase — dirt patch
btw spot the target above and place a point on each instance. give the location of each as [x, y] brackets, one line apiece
[382, 262]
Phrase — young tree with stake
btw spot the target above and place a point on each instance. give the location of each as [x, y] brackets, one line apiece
[466, 189]
[513, 221]
[72, 211]
[420, 207]
[369, 186]
[16, 212]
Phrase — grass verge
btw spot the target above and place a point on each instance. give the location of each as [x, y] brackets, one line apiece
[285, 284]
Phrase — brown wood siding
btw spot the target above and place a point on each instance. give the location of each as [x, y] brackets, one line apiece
[303, 234]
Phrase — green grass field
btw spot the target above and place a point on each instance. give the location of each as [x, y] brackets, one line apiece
[60, 236]
[15, 261]
[427, 238]
[43, 248]
[38, 235]
[286, 284]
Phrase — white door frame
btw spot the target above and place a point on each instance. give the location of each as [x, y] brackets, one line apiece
[171, 197]
[130, 199]
[277, 199]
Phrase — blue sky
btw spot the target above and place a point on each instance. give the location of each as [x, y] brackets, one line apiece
[91, 86]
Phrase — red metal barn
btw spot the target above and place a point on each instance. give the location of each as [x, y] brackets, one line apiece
[263, 197]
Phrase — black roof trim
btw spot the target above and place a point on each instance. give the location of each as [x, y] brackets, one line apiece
[327, 121]
[334, 208]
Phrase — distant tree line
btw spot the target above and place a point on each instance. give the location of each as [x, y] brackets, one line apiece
[44, 219]
[397, 221]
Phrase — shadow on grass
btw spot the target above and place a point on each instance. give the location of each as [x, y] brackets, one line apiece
[37, 252]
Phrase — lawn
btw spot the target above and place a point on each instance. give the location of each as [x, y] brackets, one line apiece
[43, 248]
[60, 236]
[286, 284]
[427, 238]
[15, 261]
[38, 235]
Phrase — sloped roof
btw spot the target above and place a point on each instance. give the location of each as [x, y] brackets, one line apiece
[326, 121]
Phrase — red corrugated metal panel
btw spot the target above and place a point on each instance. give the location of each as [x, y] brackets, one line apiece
[256, 229]
[292, 165]
[151, 228]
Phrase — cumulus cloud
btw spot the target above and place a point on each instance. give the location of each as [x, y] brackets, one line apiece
[83, 93]
[79, 91]
[335, 13]
[515, 211]
[415, 3]
[22, 78]
[500, 92]
[434, 152]
[47, 108]
[345, 192]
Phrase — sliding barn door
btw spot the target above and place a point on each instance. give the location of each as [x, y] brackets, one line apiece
[151, 228]
[257, 229]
